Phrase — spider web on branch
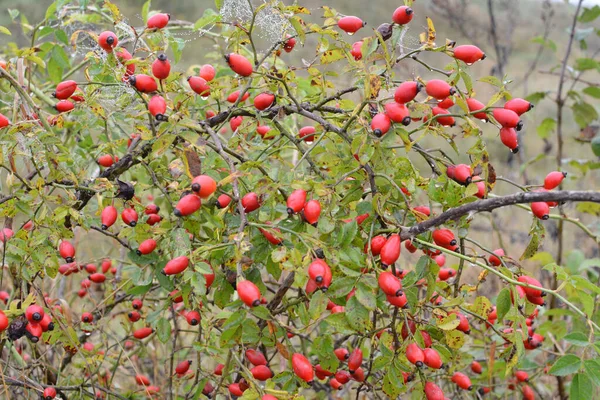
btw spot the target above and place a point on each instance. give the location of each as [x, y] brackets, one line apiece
[270, 23]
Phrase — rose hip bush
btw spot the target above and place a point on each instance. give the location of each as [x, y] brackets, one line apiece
[258, 228]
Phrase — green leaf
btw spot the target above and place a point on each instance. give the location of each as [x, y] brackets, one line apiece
[365, 296]
[589, 14]
[566, 365]
[448, 323]
[592, 368]
[5, 30]
[340, 287]
[261, 312]
[318, 305]
[584, 64]
[546, 128]
[145, 9]
[208, 17]
[492, 80]
[593, 91]
[584, 113]
[163, 330]
[581, 387]
[503, 303]
[577, 339]
[544, 42]
[393, 383]
[357, 315]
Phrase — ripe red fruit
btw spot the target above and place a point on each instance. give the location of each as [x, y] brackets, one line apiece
[381, 124]
[108, 217]
[335, 384]
[153, 219]
[207, 72]
[475, 105]
[439, 89]
[256, 357]
[468, 53]
[64, 106]
[158, 107]
[407, 91]
[307, 133]
[541, 210]
[66, 251]
[432, 358]
[476, 367]
[187, 205]
[134, 316]
[108, 41]
[34, 313]
[441, 119]
[4, 122]
[390, 284]
[199, 85]
[351, 24]
[415, 355]
[239, 64]
[296, 201]
[158, 21]
[143, 83]
[223, 201]
[142, 333]
[463, 325]
[261, 373]
[531, 281]
[271, 237]
[124, 56]
[318, 270]
[302, 367]
[312, 212]
[377, 243]
[65, 89]
[409, 246]
[520, 106]
[249, 293]
[176, 265]
[444, 237]
[264, 101]
[219, 369]
[554, 179]
[356, 51]
[342, 377]
[322, 373]
[161, 67]
[508, 118]
[262, 130]
[193, 318]
[49, 393]
[398, 113]
[129, 216]
[397, 301]
[510, 139]
[97, 277]
[35, 331]
[461, 173]
[495, 258]
[3, 321]
[146, 247]
[204, 186]
[289, 45]
[183, 367]
[355, 360]
[522, 376]
[233, 97]
[87, 317]
[462, 381]
[342, 354]
[433, 391]
[403, 15]
[250, 202]
[390, 252]
[359, 375]
[142, 380]
[446, 103]
[151, 209]
[528, 393]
